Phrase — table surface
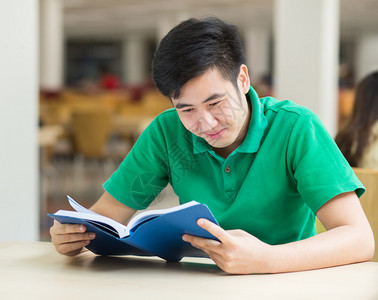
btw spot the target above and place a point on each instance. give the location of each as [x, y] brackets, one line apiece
[33, 270]
[48, 135]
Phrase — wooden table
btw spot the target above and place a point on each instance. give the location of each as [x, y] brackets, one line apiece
[33, 270]
[49, 134]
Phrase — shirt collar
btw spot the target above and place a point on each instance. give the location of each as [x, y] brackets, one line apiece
[256, 129]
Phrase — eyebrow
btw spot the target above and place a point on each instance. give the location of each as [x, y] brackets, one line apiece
[212, 97]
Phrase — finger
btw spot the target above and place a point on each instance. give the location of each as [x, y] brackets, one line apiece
[71, 248]
[73, 237]
[59, 228]
[214, 229]
[206, 245]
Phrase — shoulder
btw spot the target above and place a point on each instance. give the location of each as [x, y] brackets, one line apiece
[288, 112]
[164, 120]
[166, 125]
[284, 106]
[167, 117]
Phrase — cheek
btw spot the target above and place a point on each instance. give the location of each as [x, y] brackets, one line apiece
[188, 121]
[222, 114]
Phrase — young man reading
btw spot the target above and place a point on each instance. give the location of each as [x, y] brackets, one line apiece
[264, 167]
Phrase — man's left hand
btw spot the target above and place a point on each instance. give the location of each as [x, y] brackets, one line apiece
[236, 252]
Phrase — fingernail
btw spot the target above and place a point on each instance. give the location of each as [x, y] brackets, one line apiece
[81, 228]
[185, 238]
[92, 235]
[200, 222]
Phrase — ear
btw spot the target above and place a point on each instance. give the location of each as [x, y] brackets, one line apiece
[243, 79]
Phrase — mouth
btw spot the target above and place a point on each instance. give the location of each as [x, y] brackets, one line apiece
[216, 134]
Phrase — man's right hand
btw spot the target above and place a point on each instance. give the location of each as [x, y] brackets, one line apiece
[69, 239]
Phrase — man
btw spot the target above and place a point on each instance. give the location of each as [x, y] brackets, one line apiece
[264, 167]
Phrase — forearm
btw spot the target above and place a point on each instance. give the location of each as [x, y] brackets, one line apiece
[348, 239]
[108, 206]
[341, 245]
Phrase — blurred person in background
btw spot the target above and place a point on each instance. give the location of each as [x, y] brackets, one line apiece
[358, 139]
[108, 80]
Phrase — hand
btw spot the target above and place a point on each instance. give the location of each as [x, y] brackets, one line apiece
[69, 239]
[238, 252]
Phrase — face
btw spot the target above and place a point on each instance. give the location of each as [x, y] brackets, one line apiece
[211, 107]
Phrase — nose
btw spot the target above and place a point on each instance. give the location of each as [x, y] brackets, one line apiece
[207, 121]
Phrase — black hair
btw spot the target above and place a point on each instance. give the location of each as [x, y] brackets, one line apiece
[193, 47]
[355, 136]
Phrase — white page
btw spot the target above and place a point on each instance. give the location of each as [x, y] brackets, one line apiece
[76, 206]
[150, 214]
[121, 229]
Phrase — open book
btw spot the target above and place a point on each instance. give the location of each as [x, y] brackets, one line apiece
[153, 232]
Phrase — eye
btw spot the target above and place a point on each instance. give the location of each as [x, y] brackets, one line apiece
[214, 103]
[188, 110]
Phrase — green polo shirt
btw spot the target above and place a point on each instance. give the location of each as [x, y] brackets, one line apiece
[271, 186]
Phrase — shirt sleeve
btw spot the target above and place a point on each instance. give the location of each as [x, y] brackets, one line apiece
[320, 170]
[144, 172]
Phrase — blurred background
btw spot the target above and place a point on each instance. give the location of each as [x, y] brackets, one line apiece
[77, 91]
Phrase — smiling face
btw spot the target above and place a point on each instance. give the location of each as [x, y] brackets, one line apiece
[211, 107]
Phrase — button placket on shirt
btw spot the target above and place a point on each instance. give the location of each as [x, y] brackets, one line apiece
[228, 179]
[228, 175]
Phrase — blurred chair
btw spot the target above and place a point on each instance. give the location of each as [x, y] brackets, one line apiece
[155, 103]
[90, 131]
[114, 99]
[134, 116]
[54, 113]
[369, 202]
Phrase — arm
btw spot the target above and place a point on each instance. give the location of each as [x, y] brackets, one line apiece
[348, 239]
[69, 239]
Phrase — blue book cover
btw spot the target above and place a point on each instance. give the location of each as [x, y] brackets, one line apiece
[155, 232]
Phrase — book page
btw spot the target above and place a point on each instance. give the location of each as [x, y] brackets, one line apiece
[151, 214]
[119, 228]
[76, 206]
